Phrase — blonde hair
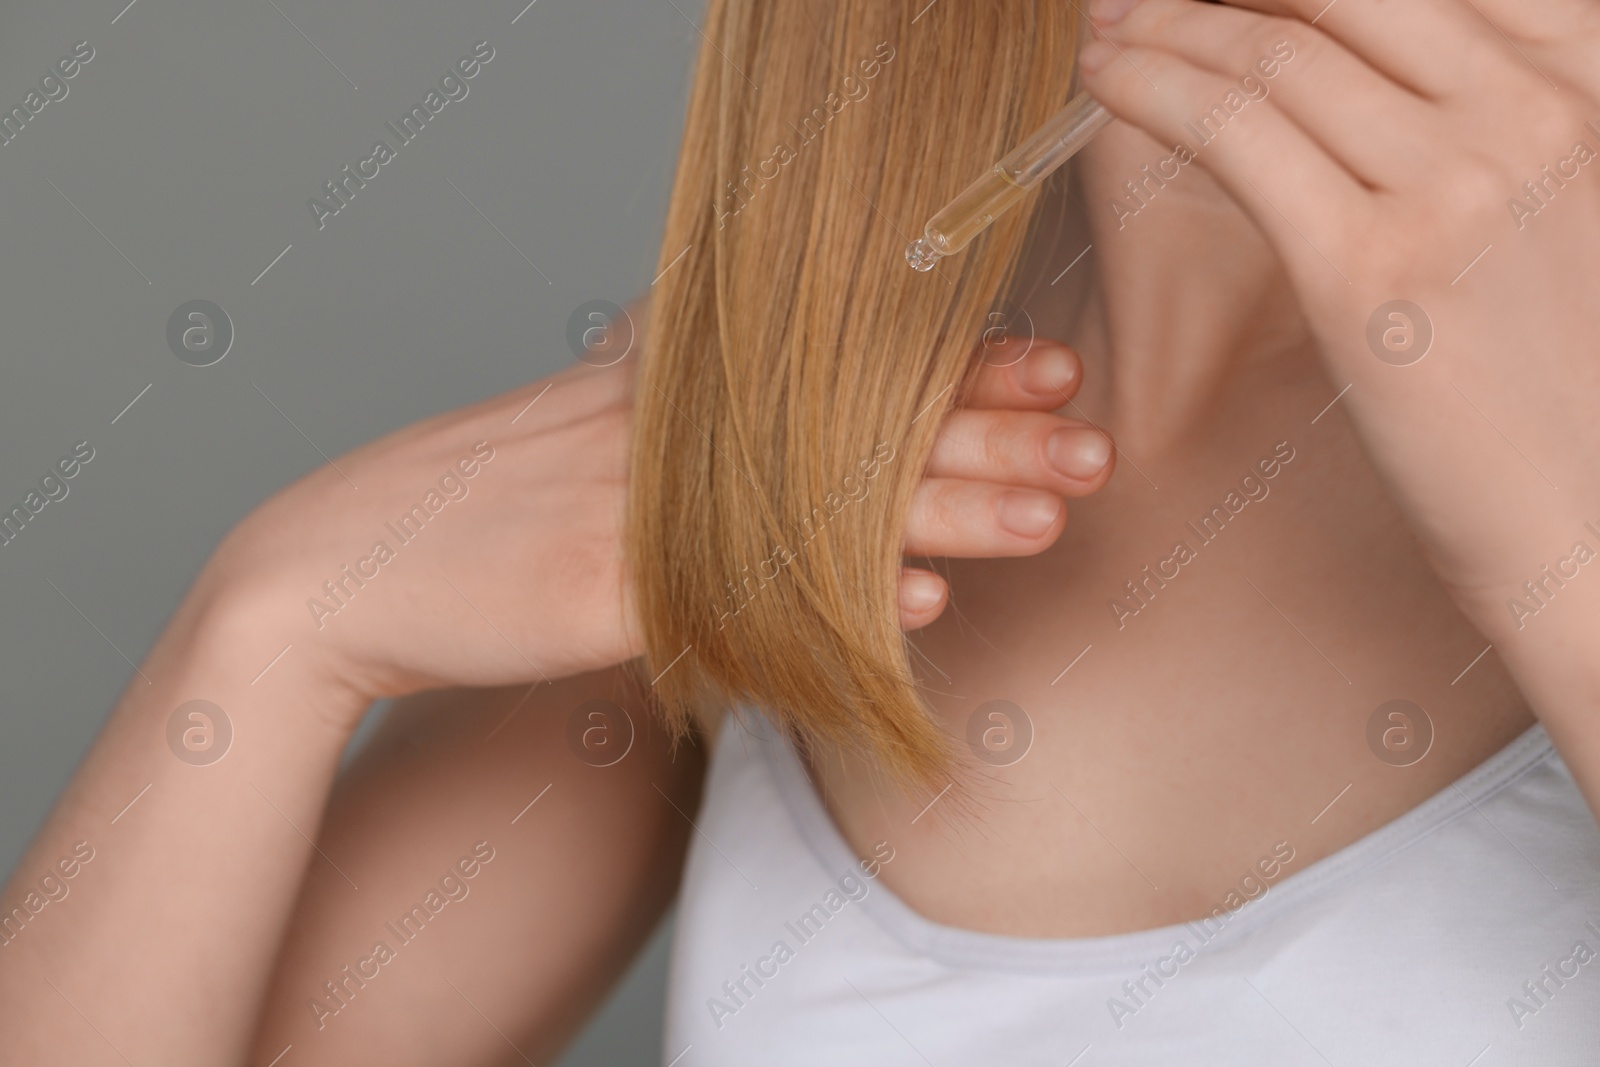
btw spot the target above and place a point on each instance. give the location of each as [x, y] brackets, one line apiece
[797, 371]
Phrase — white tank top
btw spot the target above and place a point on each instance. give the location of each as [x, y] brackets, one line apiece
[1466, 932]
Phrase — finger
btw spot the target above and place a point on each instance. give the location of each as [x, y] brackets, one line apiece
[1022, 448]
[956, 517]
[1546, 22]
[923, 595]
[1020, 373]
[1324, 88]
[1437, 47]
[1304, 201]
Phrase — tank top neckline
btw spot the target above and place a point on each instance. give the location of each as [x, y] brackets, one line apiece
[977, 950]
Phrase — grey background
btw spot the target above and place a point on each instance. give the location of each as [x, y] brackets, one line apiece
[177, 167]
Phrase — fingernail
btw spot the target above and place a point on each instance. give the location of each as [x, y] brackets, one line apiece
[1028, 514]
[1079, 453]
[1047, 371]
[919, 592]
[1107, 12]
[1094, 56]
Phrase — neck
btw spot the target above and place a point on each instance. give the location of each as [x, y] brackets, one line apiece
[1178, 307]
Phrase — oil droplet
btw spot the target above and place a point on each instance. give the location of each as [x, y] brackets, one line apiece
[922, 255]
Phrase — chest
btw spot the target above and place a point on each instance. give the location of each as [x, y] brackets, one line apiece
[1230, 666]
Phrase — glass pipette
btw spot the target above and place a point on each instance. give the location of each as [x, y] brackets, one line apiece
[992, 195]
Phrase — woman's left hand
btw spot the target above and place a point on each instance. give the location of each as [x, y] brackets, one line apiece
[1429, 174]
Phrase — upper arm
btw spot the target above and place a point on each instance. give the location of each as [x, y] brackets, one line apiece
[513, 949]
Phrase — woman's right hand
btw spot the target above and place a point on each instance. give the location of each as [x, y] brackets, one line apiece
[516, 572]
[513, 575]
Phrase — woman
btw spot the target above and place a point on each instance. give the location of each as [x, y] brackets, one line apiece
[1223, 773]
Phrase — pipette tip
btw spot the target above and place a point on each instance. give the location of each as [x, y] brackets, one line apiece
[922, 255]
